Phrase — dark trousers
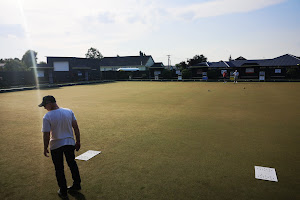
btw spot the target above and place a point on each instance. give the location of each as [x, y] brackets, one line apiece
[58, 161]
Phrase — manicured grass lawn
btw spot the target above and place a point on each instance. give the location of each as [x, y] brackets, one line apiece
[159, 140]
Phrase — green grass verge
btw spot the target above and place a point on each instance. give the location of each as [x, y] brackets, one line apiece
[159, 140]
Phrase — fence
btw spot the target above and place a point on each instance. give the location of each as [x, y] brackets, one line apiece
[16, 78]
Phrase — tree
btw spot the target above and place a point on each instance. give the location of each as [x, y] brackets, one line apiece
[182, 65]
[93, 53]
[230, 59]
[166, 74]
[29, 58]
[14, 65]
[186, 73]
[197, 59]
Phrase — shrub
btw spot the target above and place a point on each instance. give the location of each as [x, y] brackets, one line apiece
[186, 73]
[144, 76]
[166, 74]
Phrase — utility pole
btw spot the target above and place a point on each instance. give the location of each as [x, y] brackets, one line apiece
[168, 61]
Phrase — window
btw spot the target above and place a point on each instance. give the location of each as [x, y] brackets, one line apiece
[156, 73]
[277, 71]
[249, 70]
[61, 66]
[40, 73]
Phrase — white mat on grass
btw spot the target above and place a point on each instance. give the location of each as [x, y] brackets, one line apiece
[265, 173]
[87, 155]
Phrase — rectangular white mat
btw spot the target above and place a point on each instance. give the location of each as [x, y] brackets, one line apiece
[87, 155]
[265, 173]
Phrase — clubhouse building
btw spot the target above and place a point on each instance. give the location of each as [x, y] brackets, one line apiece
[279, 68]
[72, 69]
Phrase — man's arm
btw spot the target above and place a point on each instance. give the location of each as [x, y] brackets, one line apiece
[77, 134]
[46, 138]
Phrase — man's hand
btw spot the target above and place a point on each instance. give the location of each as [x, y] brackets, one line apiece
[46, 137]
[77, 134]
[46, 152]
[77, 146]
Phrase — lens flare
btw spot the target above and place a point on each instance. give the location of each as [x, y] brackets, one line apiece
[33, 60]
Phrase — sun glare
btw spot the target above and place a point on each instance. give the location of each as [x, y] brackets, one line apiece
[29, 46]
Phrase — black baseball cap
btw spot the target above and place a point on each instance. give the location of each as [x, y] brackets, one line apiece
[47, 99]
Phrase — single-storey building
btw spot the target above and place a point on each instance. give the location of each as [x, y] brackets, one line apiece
[156, 70]
[73, 69]
[68, 69]
[263, 69]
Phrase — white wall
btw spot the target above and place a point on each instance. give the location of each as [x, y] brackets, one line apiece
[150, 62]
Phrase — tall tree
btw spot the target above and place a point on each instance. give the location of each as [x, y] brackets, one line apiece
[29, 58]
[197, 59]
[94, 54]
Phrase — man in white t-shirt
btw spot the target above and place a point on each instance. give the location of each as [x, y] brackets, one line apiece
[58, 126]
[236, 75]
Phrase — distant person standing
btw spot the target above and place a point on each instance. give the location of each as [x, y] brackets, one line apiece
[58, 126]
[224, 75]
[236, 75]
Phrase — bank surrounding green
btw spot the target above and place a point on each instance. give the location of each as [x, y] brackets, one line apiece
[159, 140]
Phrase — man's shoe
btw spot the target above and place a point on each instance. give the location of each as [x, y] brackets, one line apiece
[63, 195]
[74, 187]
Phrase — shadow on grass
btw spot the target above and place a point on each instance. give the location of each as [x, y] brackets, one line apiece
[77, 195]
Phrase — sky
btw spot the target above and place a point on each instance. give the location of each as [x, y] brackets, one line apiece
[218, 29]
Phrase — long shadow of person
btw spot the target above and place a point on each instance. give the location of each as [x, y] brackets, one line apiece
[77, 195]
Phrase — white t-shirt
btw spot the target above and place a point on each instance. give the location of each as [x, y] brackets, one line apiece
[59, 123]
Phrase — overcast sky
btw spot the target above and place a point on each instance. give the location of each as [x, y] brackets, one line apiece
[254, 29]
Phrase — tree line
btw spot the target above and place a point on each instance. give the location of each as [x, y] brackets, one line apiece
[28, 60]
